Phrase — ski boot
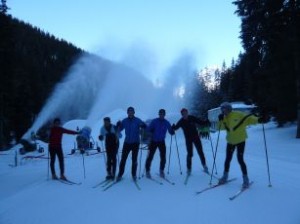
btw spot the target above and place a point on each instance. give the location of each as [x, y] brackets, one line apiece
[62, 177]
[188, 172]
[223, 179]
[245, 181]
[54, 177]
[162, 174]
[205, 169]
[148, 175]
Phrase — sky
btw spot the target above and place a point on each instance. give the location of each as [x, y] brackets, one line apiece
[208, 29]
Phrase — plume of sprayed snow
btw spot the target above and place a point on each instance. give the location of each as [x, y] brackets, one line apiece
[132, 84]
[95, 87]
[73, 96]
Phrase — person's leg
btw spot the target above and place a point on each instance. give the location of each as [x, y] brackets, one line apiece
[199, 149]
[135, 152]
[60, 156]
[109, 155]
[152, 149]
[229, 154]
[125, 153]
[162, 151]
[240, 158]
[114, 161]
[189, 149]
[52, 162]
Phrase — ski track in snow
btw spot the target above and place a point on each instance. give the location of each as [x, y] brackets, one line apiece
[28, 197]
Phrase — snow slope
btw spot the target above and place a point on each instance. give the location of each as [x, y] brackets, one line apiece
[28, 197]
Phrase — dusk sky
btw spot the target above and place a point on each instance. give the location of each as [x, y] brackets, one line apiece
[209, 29]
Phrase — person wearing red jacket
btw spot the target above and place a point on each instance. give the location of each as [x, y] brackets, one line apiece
[55, 148]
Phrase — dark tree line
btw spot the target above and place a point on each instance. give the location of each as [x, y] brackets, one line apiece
[267, 73]
[31, 63]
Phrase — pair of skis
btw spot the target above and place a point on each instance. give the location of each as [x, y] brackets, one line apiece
[162, 178]
[108, 184]
[187, 177]
[234, 196]
[103, 183]
[69, 182]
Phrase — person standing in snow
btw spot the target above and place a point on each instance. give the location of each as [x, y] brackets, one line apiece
[235, 124]
[158, 129]
[132, 126]
[55, 147]
[188, 124]
[109, 132]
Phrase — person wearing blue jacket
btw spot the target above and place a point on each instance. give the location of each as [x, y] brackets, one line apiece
[158, 129]
[132, 126]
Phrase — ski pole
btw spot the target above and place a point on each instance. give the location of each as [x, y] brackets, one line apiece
[178, 154]
[83, 165]
[48, 164]
[212, 150]
[144, 171]
[170, 154]
[215, 155]
[141, 153]
[267, 158]
[140, 165]
[104, 156]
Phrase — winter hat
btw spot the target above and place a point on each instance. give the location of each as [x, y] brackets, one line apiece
[226, 105]
[56, 120]
[183, 110]
[106, 119]
[162, 111]
[130, 109]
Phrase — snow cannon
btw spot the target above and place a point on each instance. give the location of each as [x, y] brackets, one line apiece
[27, 146]
[83, 139]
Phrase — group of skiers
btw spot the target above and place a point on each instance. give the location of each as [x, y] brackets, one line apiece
[234, 122]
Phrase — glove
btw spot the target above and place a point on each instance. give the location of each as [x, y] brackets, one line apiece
[221, 117]
[207, 123]
[173, 126]
[172, 132]
[263, 119]
[118, 124]
[101, 137]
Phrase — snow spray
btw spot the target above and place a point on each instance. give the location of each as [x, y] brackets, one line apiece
[94, 87]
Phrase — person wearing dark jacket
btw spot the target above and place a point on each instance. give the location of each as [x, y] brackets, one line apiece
[158, 129]
[55, 148]
[109, 132]
[188, 124]
[132, 126]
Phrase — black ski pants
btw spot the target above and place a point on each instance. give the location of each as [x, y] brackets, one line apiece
[56, 150]
[240, 156]
[189, 147]
[152, 149]
[111, 163]
[127, 148]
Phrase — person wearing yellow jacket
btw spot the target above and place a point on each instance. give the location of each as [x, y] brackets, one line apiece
[235, 124]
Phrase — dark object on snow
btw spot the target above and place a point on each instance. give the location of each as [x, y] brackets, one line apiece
[27, 146]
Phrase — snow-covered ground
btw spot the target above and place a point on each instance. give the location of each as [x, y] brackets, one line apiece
[28, 197]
